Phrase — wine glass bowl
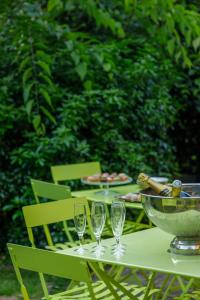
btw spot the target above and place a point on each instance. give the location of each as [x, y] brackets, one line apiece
[80, 222]
[98, 218]
[118, 214]
[179, 216]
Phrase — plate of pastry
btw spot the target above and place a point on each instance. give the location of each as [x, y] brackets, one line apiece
[107, 179]
[131, 197]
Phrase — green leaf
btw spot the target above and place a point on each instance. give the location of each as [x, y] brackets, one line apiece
[44, 66]
[69, 5]
[69, 45]
[45, 57]
[46, 97]
[197, 82]
[24, 63]
[8, 207]
[29, 106]
[48, 114]
[170, 22]
[17, 215]
[46, 79]
[120, 32]
[188, 37]
[81, 69]
[88, 85]
[177, 56]
[26, 75]
[27, 90]
[129, 5]
[107, 67]
[187, 62]
[196, 43]
[99, 57]
[36, 121]
[171, 46]
[54, 4]
[75, 57]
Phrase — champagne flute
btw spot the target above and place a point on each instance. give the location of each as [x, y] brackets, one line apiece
[80, 223]
[98, 218]
[118, 214]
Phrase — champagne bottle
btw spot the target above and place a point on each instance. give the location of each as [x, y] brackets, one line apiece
[162, 189]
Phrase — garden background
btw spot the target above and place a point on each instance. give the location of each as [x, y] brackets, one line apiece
[85, 80]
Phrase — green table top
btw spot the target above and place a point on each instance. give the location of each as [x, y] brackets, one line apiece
[94, 195]
[147, 250]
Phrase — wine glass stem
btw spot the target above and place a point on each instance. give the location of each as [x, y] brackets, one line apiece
[106, 190]
[118, 242]
[80, 241]
[99, 242]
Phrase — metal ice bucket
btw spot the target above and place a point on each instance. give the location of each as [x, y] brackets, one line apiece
[178, 216]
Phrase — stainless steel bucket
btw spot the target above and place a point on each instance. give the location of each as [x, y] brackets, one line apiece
[178, 216]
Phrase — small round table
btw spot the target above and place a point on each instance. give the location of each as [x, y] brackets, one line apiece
[106, 191]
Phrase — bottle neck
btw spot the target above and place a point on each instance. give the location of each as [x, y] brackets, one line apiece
[176, 191]
[176, 188]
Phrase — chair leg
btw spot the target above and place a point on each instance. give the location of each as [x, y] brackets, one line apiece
[149, 285]
[165, 281]
[184, 287]
[24, 292]
[168, 288]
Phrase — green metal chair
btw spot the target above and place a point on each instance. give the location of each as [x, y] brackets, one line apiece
[49, 191]
[75, 269]
[43, 190]
[74, 171]
[47, 213]
[59, 212]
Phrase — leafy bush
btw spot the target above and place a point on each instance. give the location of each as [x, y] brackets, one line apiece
[82, 81]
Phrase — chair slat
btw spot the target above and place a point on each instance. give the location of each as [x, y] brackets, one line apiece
[49, 262]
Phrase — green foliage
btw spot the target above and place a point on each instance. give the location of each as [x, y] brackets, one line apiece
[174, 25]
[94, 80]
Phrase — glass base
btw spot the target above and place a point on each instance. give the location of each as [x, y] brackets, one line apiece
[118, 250]
[107, 193]
[120, 246]
[98, 250]
[80, 250]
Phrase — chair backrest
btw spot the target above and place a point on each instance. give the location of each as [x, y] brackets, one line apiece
[74, 171]
[52, 191]
[52, 212]
[49, 262]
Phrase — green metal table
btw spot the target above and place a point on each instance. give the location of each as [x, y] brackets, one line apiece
[147, 250]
